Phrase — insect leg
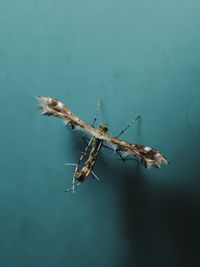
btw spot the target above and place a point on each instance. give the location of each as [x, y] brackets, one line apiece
[129, 125]
[95, 176]
[77, 165]
[72, 188]
[70, 164]
[79, 162]
[84, 152]
[126, 158]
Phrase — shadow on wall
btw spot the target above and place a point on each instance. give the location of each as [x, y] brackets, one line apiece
[161, 226]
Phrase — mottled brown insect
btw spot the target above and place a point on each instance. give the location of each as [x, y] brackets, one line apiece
[146, 155]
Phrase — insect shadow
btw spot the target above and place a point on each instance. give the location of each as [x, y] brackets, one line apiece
[160, 224]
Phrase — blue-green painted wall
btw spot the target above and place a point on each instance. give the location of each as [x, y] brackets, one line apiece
[141, 57]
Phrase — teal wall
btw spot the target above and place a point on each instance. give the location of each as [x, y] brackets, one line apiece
[142, 57]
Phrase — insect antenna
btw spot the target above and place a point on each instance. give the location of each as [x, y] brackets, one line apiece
[97, 111]
[129, 125]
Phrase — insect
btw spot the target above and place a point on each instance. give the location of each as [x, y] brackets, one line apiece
[98, 137]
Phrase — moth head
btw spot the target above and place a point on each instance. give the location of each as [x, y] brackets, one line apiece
[103, 127]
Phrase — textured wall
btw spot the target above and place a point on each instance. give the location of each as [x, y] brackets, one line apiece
[141, 57]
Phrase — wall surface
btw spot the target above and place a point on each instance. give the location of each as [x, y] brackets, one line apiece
[140, 57]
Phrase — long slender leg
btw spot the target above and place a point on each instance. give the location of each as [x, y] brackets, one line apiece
[81, 157]
[95, 176]
[84, 152]
[126, 158]
[72, 188]
[129, 125]
[79, 162]
[97, 111]
[77, 166]
[121, 157]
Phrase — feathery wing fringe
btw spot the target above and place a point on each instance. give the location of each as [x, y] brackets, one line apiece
[148, 156]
